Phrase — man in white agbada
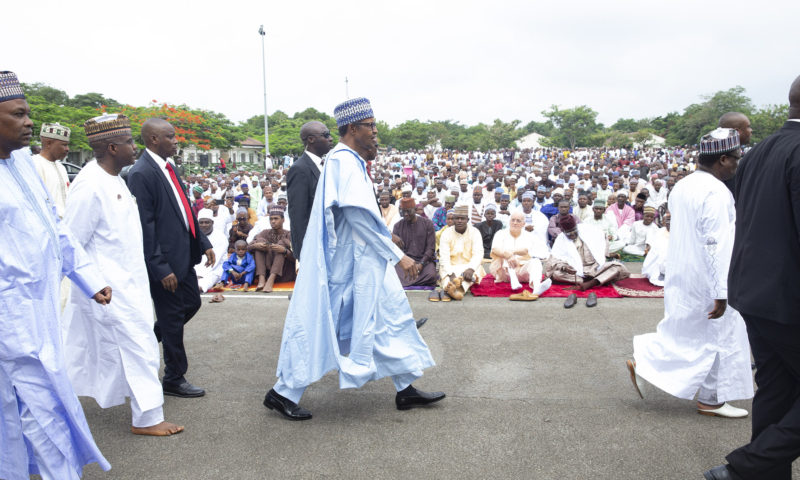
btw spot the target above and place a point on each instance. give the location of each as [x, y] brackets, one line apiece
[208, 276]
[700, 348]
[42, 426]
[607, 225]
[349, 311]
[111, 350]
[517, 257]
[641, 229]
[655, 263]
[55, 147]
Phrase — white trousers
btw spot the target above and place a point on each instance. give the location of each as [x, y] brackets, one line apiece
[294, 394]
[51, 462]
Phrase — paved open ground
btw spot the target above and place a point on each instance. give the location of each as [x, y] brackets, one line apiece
[534, 391]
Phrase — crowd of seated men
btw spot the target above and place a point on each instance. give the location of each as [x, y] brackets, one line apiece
[526, 218]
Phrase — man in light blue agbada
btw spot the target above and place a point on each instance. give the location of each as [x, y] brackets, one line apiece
[349, 311]
[42, 426]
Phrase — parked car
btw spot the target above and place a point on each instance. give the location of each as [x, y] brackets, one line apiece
[72, 170]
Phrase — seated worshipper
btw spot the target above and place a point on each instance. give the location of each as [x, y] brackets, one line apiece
[389, 212]
[608, 225]
[638, 206]
[265, 202]
[416, 237]
[476, 206]
[272, 250]
[535, 221]
[239, 230]
[448, 224]
[489, 228]
[503, 211]
[440, 217]
[623, 214]
[655, 261]
[222, 219]
[432, 204]
[460, 255]
[641, 229]
[584, 209]
[578, 257]
[517, 257]
[208, 276]
[244, 203]
[552, 208]
[239, 267]
[563, 211]
[198, 203]
[541, 198]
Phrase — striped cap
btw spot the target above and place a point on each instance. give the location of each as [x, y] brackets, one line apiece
[10, 89]
[107, 126]
[352, 111]
[718, 141]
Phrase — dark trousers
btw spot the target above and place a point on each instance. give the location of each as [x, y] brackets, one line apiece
[173, 310]
[775, 442]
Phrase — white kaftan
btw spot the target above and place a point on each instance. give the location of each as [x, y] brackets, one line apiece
[688, 352]
[111, 351]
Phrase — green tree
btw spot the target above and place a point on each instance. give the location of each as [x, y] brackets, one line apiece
[94, 100]
[700, 118]
[503, 135]
[768, 120]
[573, 126]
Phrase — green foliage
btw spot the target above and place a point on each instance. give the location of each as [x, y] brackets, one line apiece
[700, 118]
[767, 121]
[573, 126]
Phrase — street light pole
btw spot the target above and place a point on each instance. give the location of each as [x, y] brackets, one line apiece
[262, 33]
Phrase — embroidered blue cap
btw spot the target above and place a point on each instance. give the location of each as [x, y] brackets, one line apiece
[10, 89]
[352, 111]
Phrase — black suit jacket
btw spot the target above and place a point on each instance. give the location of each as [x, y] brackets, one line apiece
[168, 244]
[764, 277]
[301, 183]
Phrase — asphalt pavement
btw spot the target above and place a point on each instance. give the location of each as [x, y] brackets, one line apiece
[534, 391]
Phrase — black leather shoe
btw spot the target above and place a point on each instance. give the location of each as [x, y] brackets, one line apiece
[411, 398]
[720, 472]
[421, 322]
[591, 300]
[184, 390]
[571, 300]
[285, 407]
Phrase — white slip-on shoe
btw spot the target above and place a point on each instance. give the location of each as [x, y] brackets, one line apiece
[726, 410]
[543, 287]
[638, 383]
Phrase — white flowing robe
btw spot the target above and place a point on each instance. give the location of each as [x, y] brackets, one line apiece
[654, 266]
[349, 311]
[686, 346]
[111, 351]
[37, 250]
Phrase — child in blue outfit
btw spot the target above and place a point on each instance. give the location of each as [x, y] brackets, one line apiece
[240, 267]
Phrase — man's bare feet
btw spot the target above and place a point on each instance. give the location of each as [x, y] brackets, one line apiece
[261, 282]
[163, 429]
[245, 287]
[270, 283]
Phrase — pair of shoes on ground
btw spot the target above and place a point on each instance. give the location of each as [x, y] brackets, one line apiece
[725, 410]
[526, 296]
[572, 300]
[438, 296]
[406, 399]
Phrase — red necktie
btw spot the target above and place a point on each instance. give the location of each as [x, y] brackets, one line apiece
[186, 209]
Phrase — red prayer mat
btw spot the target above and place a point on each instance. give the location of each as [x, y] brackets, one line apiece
[487, 288]
[278, 287]
[638, 287]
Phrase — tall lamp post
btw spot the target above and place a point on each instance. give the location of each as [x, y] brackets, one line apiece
[262, 33]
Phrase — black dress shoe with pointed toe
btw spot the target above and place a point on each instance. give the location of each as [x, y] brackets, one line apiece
[285, 407]
[720, 472]
[571, 300]
[183, 390]
[591, 300]
[421, 322]
[412, 398]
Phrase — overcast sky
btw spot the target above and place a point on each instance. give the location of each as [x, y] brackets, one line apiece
[468, 61]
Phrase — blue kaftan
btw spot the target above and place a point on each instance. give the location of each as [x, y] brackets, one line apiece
[349, 311]
[36, 252]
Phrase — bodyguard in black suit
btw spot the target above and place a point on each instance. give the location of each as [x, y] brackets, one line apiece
[173, 245]
[301, 181]
[764, 286]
